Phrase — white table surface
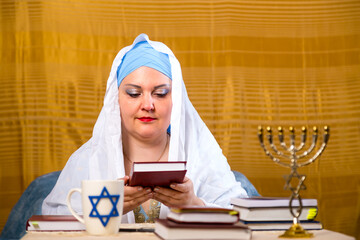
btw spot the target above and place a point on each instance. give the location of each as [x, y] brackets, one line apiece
[256, 235]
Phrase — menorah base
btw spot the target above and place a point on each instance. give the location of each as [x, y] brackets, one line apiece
[296, 231]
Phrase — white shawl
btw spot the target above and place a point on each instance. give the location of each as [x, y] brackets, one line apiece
[102, 156]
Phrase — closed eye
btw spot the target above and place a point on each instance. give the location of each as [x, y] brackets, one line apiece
[133, 93]
[162, 92]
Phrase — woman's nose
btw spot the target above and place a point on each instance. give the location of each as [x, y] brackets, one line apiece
[148, 102]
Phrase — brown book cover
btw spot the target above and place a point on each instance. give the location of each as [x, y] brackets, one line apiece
[151, 174]
[202, 209]
[167, 229]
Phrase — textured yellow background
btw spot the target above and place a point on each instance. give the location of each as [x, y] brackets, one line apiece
[245, 63]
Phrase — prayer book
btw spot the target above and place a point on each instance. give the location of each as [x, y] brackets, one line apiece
[151, 174]
[170, 230]
[272, 209]
[198, 214]
[281, 225]
[54, 223]
[68, 223]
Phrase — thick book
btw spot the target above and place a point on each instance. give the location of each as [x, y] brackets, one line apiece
[170, 230]
[50, 223]
[198, 214]
[272, 209]
[281, 225]
[151, 174]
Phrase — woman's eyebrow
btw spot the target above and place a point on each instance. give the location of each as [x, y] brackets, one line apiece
[133, 85]
[162, 85]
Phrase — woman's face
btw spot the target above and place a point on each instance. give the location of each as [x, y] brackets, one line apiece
[145, 103]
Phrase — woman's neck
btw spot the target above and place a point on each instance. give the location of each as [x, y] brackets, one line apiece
[136, 150]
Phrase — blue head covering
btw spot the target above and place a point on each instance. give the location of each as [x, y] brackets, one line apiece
[143, 54]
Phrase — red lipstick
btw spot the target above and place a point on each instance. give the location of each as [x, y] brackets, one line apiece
[146, 119]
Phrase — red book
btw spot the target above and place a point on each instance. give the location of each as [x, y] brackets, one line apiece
[170, 230]
[203, 214]
[151, 174]
[51, 223]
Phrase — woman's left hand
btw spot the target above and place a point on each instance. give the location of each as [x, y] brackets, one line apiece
[179, 194]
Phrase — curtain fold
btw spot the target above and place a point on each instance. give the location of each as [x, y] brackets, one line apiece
[245, 63]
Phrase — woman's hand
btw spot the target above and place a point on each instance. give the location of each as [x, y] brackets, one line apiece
[179, 194]
[134, 196]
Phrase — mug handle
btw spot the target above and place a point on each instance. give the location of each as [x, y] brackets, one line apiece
[68, 203]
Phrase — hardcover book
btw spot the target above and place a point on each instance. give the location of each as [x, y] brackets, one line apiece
[167, 229]
[199, 214]
[65, 223]
[281, 225]
[151, 174]
[271, 202]
[54, 223]
[272, 209]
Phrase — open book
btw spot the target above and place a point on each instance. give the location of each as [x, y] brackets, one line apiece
[151, 174]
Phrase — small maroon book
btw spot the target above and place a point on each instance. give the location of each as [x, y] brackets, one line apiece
[151, 174]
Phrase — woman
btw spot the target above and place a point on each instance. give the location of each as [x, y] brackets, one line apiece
[147, 116]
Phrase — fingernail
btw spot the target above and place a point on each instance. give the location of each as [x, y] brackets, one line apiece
[156, 189]
[148, 190]
[172, 185]
[140, 188]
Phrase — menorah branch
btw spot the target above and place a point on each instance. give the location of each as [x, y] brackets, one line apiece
[261, 139]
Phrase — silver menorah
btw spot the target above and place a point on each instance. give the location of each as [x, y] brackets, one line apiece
[293, 154]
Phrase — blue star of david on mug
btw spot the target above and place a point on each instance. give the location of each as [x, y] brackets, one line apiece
[96, 199]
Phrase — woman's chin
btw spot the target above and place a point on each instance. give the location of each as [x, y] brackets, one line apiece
[148, 135]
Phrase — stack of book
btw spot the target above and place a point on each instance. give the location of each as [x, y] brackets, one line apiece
[201, 223]
[266, 213]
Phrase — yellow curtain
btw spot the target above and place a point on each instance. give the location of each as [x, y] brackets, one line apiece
[245, 63]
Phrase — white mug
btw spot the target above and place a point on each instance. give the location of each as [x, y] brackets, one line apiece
[102, 205]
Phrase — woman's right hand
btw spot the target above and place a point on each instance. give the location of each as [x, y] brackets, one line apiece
[134, 196]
